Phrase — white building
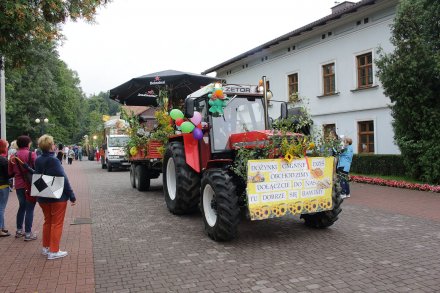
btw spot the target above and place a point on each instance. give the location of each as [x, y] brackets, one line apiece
[330, 64]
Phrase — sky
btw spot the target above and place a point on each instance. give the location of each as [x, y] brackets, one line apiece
[131, 38]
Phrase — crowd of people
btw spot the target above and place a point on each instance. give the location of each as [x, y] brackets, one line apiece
[17, 163]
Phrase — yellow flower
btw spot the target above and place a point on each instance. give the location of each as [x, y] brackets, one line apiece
[133, 151]
[311, 146]
[288, 157]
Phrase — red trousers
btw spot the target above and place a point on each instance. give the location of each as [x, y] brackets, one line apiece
[53, 224]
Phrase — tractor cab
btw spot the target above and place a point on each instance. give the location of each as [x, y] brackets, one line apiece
[244, 117]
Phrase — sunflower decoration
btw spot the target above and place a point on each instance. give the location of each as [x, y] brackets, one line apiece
[296, 148]
[217, 101]
[289, 157]
[133, 151]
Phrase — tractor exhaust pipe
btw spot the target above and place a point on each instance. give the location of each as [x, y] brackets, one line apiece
[266, 104]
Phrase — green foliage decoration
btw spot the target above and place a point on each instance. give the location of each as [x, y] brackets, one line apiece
[139, 138]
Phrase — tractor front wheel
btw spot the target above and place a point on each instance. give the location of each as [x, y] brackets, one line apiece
[220, 208]
[181, 183]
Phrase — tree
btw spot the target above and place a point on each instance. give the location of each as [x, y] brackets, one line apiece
[411, 78]
[45, 88]
[25, 23]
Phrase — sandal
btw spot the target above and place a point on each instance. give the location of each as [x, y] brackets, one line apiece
[4, 234]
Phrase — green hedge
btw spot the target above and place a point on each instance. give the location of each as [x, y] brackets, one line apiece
[388, 165]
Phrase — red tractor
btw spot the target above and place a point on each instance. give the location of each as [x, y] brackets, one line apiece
[197, 173]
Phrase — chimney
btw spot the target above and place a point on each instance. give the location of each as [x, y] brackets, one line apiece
[341, 6]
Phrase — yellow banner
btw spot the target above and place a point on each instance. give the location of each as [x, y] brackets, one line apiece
[276, 187]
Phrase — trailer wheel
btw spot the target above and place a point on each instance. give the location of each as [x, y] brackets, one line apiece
[220, 208]
[132, 175]
[327, 218]
[181, 183]
[142, 181]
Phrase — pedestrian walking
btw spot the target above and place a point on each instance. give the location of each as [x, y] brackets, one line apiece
[75, 149]
[98, 154]
[4, 186]
[70, 155]
[80, 153]
[344, 163]
[26, 202]
[60, 153]
[12, 150]
[66, 151]
[54, 209]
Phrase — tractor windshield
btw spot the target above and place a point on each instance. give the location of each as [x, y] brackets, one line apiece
[242, 114]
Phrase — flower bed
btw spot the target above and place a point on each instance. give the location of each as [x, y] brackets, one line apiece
[395, 183]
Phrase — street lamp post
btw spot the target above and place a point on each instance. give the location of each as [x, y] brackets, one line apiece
[45, 121]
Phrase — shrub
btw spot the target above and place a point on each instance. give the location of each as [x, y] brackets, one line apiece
[387, 165]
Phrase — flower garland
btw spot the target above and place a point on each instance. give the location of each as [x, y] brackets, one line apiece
[395, 183]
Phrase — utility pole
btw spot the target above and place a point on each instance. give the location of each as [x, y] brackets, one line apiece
[2, 99]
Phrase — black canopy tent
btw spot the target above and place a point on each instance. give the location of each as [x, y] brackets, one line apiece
[144, 90]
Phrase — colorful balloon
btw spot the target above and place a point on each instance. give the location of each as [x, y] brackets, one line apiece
[196, 118]
[176, 114]
[179, 121]
[197, 134]
[187, 127]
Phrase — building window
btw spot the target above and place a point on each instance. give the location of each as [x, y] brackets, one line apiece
[328, 74]
[293, 84]
[329, 131]
[366, 137]
[365, 70]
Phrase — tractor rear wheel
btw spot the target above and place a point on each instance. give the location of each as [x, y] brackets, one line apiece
[327, 218]
[220, 208]
[132, 175]
[181, 183]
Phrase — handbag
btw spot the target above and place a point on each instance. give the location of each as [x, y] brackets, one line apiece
[28, 166]
[27, 177]
[47, 185]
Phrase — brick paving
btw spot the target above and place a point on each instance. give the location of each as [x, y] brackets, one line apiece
[387, 240]
[24, 269]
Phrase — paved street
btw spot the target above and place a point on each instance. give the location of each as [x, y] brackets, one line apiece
[387, 240]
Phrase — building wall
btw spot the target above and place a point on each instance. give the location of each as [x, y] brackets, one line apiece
[347, 40]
